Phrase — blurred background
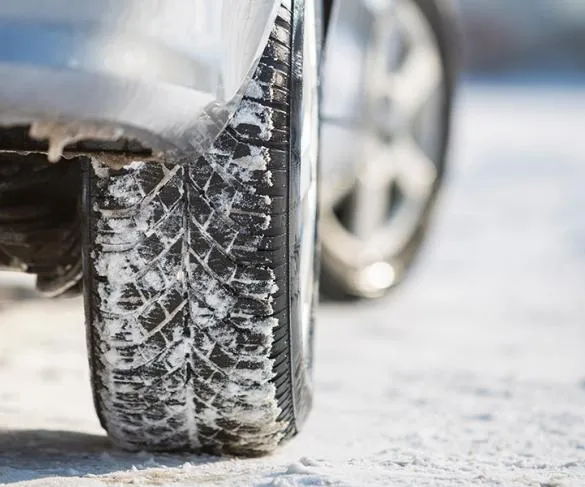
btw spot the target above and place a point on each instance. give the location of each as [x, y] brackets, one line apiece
[540, 38]
[511, 228]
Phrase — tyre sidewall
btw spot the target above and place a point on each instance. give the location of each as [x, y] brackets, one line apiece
[301, 359]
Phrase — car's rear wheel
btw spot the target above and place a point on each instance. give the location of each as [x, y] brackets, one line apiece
[199, 275]
[387, 102]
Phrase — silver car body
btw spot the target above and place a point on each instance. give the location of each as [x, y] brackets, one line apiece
[166, 72]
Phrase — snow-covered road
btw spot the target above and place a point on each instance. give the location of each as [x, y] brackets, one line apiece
[473, 373]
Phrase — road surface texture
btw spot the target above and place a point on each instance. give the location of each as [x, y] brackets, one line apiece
[473, 373]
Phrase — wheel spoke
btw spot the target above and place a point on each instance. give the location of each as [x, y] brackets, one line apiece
[416, 82]
[369, 207]
[415, 172]
[412, 24]
[371, 192]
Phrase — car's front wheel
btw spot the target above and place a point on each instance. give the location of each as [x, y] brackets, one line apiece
[199, 275]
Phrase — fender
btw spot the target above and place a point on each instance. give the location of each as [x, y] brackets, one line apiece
[168, 73]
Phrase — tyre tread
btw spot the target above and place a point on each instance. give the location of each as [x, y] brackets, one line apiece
[188, 323]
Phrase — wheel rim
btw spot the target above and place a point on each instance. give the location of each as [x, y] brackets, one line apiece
[376, 201]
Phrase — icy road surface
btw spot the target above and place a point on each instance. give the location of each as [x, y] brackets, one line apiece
[472, 374]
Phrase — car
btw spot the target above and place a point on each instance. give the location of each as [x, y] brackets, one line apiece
[162, 159]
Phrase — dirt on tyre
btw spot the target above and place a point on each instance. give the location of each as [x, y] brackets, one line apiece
[195, 293]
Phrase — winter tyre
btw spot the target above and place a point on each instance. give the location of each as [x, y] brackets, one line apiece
[199, 275]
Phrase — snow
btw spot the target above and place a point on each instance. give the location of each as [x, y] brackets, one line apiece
[472, 373]
[254, 90]
[254, 114]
